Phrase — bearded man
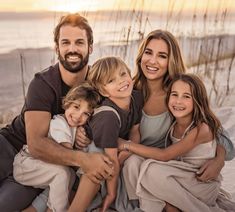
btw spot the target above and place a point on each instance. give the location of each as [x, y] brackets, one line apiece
[73, 39]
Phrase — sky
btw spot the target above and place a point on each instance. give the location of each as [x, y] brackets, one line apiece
[94, 5]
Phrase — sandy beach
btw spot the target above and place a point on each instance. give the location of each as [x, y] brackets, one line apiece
[227, 117]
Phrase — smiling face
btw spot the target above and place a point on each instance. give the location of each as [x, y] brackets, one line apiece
[73, 49]
[118, 86]
[154, 61]
[180, 101]
[78, 113]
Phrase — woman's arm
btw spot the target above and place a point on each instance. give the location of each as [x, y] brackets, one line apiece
[211, 169]
[134, 136]
[225, 151]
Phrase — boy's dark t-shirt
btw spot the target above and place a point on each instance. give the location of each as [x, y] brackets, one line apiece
[105, 125]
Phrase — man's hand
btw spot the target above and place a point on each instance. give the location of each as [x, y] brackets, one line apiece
[97, 167]
[81, 138]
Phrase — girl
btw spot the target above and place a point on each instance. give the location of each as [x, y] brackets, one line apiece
[193, 135]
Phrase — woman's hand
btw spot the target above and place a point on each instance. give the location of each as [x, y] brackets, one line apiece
[81, 138]
[211, 169]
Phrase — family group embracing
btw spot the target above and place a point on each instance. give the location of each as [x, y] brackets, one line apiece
[97, 138]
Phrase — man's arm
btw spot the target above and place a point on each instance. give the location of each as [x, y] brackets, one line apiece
[67, 145]
[40, 146]
[95, 165]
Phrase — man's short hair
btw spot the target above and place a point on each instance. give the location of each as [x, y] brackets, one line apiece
[74, 20]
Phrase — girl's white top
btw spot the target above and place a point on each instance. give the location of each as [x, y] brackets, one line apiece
[199, 154]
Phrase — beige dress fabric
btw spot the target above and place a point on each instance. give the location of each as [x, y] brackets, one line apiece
[153, 130]
[175, 182]
[30, 171]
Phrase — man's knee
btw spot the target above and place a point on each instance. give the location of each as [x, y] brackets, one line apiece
[7, 154]
[14, 196]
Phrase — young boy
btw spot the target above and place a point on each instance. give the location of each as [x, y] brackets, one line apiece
[112, 78]
[78, 104]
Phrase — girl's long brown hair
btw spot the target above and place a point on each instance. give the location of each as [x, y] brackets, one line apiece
[201, 108]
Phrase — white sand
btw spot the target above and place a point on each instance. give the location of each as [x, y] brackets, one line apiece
[227, 117]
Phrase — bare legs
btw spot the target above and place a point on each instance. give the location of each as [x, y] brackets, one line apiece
[84, 195]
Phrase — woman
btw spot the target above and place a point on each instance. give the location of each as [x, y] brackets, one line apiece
[158, 61]
[193, 135]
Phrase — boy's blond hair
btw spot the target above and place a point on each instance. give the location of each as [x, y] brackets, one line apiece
[85, 92]
[103, 70]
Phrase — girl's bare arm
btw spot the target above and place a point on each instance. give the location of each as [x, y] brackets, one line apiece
[192, 139]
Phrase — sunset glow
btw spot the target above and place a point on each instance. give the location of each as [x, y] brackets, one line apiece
[94, 5]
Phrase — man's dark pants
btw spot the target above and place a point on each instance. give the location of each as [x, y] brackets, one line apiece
[13, 196]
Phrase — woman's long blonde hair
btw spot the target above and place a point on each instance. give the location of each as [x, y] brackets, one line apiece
[175, 64]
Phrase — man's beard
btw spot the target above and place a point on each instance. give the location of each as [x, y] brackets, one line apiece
[73, 67]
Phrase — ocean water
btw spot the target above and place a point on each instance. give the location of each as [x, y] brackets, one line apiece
[36, 31]
[16, 34]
